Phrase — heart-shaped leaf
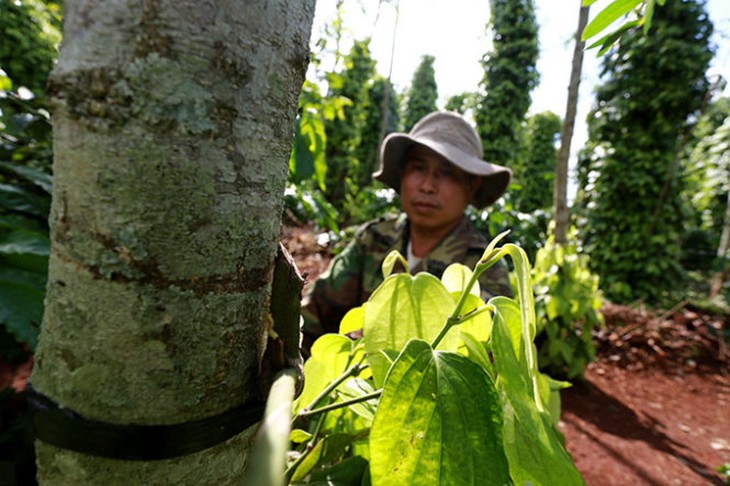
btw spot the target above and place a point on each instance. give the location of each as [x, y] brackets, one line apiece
[439, 421]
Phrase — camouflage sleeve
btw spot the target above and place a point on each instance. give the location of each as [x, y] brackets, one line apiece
[333, 294]
[495, 281]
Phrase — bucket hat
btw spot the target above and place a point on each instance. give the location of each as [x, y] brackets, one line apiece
[451, 136]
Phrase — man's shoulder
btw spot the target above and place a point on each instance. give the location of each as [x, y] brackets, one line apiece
[467, 237]
[385, 229]
[386, 222]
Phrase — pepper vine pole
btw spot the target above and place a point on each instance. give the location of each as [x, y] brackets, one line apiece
[173, 122]
[560, 189]
[386, 93]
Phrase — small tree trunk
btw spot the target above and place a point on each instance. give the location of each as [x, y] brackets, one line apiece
[560, 192]
[173, 122]
[385, 120]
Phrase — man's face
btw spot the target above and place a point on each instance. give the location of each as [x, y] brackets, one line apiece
[433, 191]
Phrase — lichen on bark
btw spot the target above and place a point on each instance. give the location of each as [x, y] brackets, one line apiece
[164, 96]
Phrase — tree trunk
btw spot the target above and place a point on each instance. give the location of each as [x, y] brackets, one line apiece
[173, 122]
[385, 114]
[560, 192]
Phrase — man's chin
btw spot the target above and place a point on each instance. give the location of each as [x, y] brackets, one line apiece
[421, 216]
[425, 221]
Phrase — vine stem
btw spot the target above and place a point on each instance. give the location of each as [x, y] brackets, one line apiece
[353, 370]
[527, 309]
[310, 447]
[342, 404]
[455, 317]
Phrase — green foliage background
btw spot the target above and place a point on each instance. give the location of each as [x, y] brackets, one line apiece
[29, 35]
[336, 143]
[344, 134]
[630, 182]
[30, 32]
[706, 163]
[567, 303]
[510, 74]
[422, 94]
[534, 171]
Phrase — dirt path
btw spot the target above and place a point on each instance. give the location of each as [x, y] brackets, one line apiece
[648, 427]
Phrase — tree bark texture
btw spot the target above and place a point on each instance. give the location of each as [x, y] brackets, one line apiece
[560, 192]
[173, 122]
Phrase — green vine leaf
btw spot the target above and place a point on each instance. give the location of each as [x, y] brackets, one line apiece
[481, 368]
[425, 425]
[299, 436]
[477, 352]
[456, 277]
[356, 388]
[330, 357]
[353, 320]
[509, 353]
[509, 314]
[479, 325]
[535, 452]
[349, 471]
[608, 15]
[402, 308]
[390, 261]
[327, 450]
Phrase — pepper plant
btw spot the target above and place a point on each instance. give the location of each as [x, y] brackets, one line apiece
[440, 388]
[568, 308]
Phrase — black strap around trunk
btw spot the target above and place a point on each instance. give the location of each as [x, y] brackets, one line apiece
[67, 429]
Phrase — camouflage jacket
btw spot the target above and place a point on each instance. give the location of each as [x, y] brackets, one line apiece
[356, 272]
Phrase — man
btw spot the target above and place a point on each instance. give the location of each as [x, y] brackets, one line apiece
[438, 171]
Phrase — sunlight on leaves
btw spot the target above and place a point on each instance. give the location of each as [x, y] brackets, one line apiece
[456, 277]
[353, 320]
[536, 454]
[330, 357]
[425, 425]
[412, 411]
[389, 263]
[480, 325]
[299, 436]
[402, 308]
[326, 450]
[608, 15]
